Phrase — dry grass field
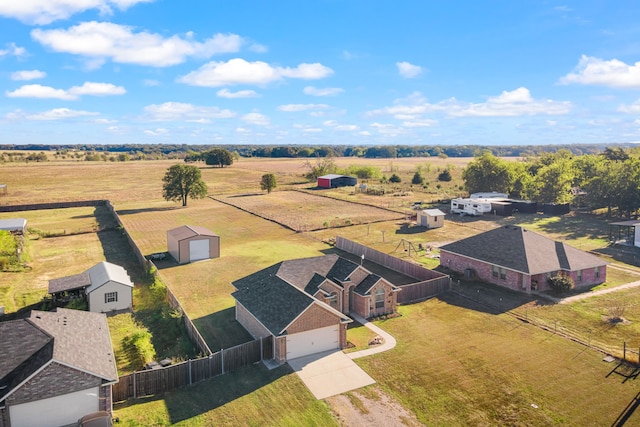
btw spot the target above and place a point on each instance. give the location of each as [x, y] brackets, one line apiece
[457, 362]
[304, 212]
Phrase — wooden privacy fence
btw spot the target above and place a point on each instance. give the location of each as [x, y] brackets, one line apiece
[431, 282]
[55, 205]
[161, 380]
[192, 331]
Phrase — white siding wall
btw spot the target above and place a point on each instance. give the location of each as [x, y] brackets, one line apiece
[96, 298]
[56, 411]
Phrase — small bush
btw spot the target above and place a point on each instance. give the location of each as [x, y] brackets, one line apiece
[417, 179]
[139, 347]
[445, 176]
[561, 283]
[395, 178]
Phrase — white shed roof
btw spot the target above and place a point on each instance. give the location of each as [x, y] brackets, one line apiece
[433, 212]
[13, 224]
[189, 231]
[107, 272]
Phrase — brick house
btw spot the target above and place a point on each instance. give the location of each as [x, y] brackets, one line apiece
[522, 260]
[304, 303]
[55, 367]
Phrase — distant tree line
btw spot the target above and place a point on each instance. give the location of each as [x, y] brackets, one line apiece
[180, 151]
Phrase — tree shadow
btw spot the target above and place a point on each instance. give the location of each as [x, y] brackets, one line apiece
[142, 210]
[409, 229]
[572, 226]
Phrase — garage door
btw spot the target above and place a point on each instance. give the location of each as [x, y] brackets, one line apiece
[55, 411]
[198, 249]
[315, 341]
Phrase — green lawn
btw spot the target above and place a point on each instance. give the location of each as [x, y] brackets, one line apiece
[455, 365]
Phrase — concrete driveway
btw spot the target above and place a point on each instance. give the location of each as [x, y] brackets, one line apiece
[329, 373]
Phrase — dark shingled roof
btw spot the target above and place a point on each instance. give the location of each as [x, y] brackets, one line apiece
[271, 300]
[365, 286]
[314, 283]
[24, 349]
[342, 269]
[522, 250]
[257, 277]
[69, 283]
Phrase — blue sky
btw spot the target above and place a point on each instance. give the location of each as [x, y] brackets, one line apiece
[319, 72]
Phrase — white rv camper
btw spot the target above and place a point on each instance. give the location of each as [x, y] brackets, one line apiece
[472, 207]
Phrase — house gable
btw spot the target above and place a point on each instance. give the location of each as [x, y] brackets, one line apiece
[315, 316]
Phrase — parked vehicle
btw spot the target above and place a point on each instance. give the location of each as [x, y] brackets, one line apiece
[96, 419]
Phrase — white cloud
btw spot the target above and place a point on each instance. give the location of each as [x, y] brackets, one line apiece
[312, 130]
[327, 91]
[612, 73]
[335, 125]
[408, 70]
[518, 102]
[42, 12]
[226, 93]
[178, 111]
[99, 41]
[238, 71]
[39, 91]
[302, 107]
[26, 75]
[12, 49]
[256, 119]
[419, 123]
[97, 89]
[55, 114]
[88, 88]
[631, 109]
[156, 132]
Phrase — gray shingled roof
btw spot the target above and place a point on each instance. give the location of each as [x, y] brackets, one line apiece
[81, 340]
[274, 302]
[24, 349]
[77, 281]
[299, 272]
[365, 286]
[519, 249]
[342, 269]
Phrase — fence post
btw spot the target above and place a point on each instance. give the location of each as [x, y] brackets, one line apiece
[222, 361]
[189, 371]
[134, 386]
[261, 353]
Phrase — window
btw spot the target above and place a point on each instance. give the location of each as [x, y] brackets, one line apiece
[503, 273]
[111, 297]
[579, 275]
[597, 272]
[380, 298]
[332, 299]
[495, 271]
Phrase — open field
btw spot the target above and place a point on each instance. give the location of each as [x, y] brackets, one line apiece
[456, 363]
[302, 211]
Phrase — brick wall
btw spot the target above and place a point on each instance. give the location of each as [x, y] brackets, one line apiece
[315, 317]
[516, 280]
[54, 380]
[246, 319]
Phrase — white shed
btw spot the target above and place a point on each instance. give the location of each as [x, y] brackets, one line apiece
[110, 288]
[14, 225]
[430, 218]
[192, 243]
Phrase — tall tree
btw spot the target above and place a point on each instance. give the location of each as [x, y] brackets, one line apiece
[554, 182]
[488, 173]
[182, 182]
[218, 157]
[268, 182]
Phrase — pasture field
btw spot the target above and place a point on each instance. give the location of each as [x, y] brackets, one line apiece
[303, 211]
